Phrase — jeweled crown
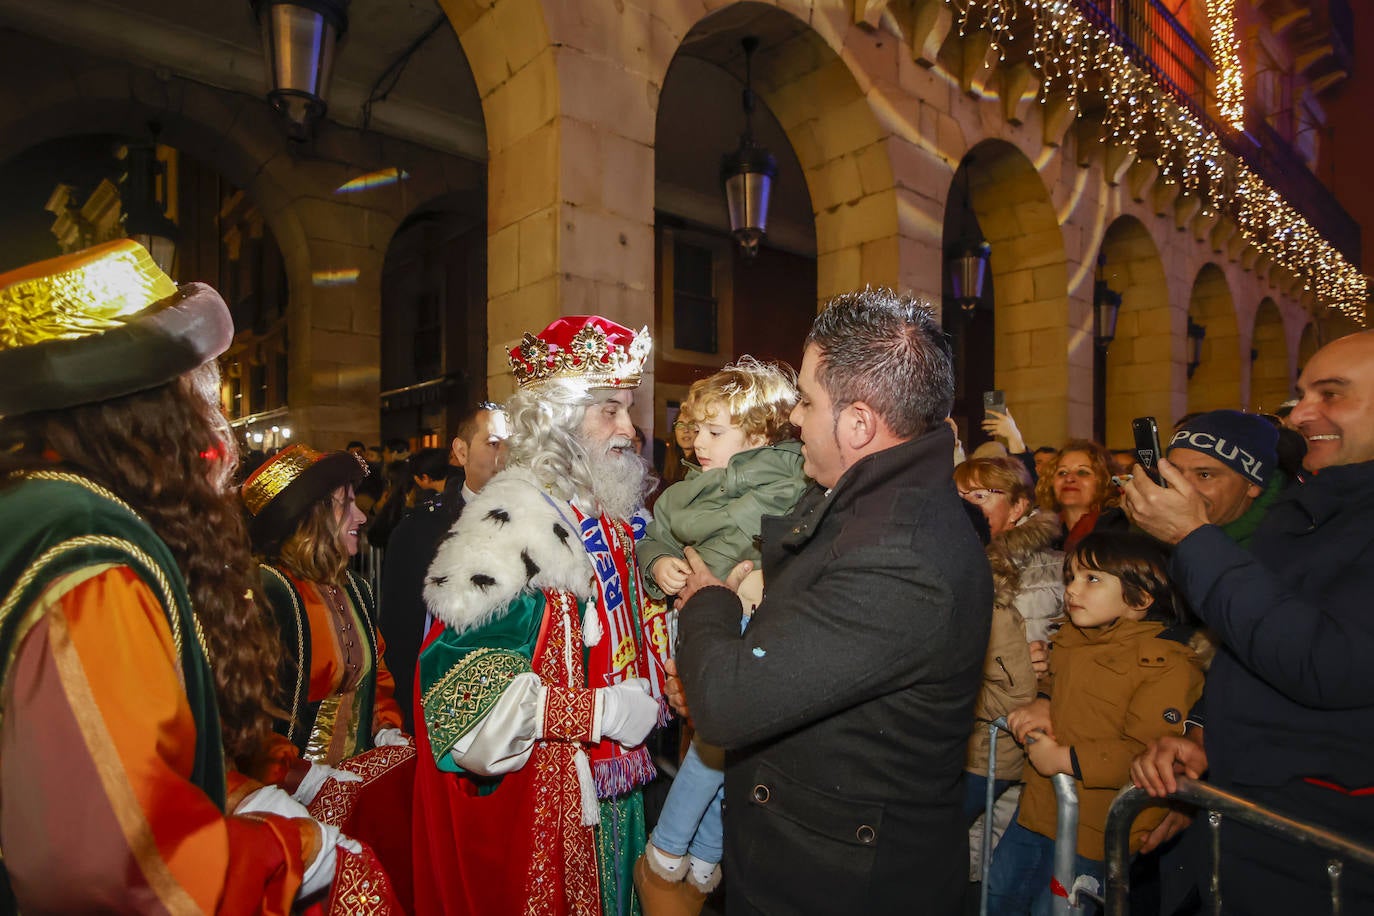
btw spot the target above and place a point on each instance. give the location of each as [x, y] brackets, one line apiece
[589, 349]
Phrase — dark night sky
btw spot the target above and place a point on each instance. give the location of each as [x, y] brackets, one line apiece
[26, 182]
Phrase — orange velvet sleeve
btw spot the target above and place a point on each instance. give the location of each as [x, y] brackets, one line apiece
[96, 750]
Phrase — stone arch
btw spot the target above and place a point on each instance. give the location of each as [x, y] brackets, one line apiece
[1029, 280]
[1215, 383]
[1142, 359]
[434, 276]
[1271, 382]
[803, 74]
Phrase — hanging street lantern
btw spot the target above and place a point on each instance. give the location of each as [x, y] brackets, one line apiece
[143, 192]
[747, 174]
[968, 270]
[299, 38]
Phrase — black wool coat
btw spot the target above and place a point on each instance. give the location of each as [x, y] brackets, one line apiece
[845, 706]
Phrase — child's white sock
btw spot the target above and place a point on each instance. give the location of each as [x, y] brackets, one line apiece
[705, 876]
[671, 867]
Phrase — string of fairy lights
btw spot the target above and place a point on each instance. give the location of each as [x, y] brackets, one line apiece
[1075, 56]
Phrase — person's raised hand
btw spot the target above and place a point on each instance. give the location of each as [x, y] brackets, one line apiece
[1168, 513]
[1000, 423]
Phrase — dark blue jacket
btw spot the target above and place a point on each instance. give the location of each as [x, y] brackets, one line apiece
[1291, 692]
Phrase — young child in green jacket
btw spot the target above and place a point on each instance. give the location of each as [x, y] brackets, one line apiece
[750, 466]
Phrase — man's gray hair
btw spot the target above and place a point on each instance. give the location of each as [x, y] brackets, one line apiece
[889, 351]
[545, 421]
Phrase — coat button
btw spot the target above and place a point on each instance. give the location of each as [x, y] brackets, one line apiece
[761, 794]
[865, 834]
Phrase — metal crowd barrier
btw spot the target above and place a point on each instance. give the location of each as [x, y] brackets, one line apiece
[1218, 804]
[1065, 837]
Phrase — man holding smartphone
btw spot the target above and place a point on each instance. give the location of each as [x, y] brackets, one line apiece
[1290, 702]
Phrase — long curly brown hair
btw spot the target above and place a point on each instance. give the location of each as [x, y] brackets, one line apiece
[168, 452]
[1104, 493]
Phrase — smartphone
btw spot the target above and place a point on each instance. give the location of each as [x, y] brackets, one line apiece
[994, 400]
[1147, 450]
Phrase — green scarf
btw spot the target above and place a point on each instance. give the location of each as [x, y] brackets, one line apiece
[1243, 528]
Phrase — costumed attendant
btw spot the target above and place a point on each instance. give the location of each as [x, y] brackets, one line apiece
[541, 678]
[133, 659]
[750, 465]
[304, 526]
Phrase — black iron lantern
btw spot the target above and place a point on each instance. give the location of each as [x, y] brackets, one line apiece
[968, 270]
[1106, 309]
[144, 188]
[1196, 334]
[747, 174]
[299, 38]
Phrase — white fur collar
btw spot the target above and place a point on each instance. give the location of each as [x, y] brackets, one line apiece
[511, 538]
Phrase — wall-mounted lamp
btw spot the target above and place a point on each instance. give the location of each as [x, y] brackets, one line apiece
[299, 38]
[1196, 334]
[747, 174]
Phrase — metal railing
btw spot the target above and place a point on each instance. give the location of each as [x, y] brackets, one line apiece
[1219, 805]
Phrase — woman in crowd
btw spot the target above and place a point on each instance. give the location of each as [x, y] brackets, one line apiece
[335, 688]
[681, 455]
[1028, 593]
[1080, 491]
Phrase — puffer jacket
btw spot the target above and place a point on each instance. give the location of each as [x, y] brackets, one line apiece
[1113, 690]
[1028, 572]
[1008, 682]
[717, 511]
[1026, 579]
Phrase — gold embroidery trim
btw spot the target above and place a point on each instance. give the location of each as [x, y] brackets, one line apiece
[300, 645]
[164, 585]
[459, 700]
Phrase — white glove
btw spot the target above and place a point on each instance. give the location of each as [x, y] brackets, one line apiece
[628, 712]
[320, 873]
[391, 737]
[314, 781]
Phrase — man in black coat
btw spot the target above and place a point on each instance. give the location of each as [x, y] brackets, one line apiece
[845, 706]
[477, 449]
[1290, 700]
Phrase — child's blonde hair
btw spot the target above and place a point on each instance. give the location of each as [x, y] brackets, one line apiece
[759, 397]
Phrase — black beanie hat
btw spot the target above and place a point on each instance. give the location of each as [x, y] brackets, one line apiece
[1244, 442]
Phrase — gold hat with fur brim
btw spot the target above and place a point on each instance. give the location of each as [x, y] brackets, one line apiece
[99, 324]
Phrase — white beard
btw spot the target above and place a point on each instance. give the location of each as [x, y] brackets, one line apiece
[617, 477]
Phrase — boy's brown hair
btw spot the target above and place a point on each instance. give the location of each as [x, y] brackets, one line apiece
[757, 396]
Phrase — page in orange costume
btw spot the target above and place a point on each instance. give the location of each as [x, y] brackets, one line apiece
[96, 748]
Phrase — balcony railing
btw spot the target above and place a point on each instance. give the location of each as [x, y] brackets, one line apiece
[1159, 44]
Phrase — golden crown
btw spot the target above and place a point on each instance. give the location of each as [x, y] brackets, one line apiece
[586, 348]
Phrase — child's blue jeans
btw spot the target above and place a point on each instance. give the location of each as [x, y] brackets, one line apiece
[1022, 866]
[690, 822]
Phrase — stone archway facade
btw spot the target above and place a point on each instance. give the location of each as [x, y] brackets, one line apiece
[334, 329]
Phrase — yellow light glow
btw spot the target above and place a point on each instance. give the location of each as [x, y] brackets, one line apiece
[378, 179]
[1226, 55]
[342, 277]
[1070, 53]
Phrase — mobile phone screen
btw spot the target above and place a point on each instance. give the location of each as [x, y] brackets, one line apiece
[994, 400]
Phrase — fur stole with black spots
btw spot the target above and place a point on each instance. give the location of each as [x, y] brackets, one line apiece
[512, 538]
